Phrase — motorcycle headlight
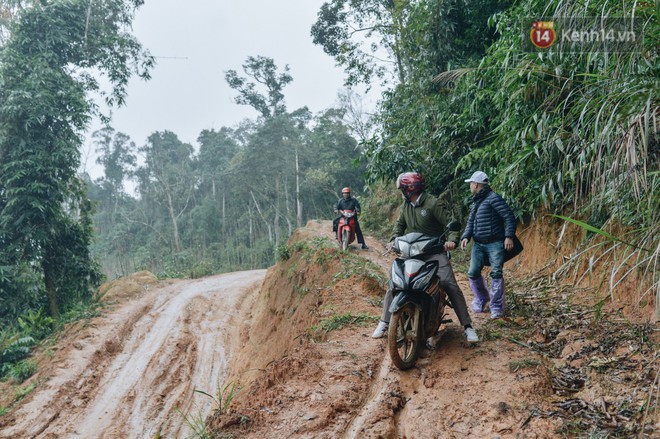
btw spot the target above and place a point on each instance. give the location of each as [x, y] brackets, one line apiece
[397, 281]
[417, 248]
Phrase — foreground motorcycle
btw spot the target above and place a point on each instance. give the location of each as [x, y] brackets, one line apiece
[418, 305]
[346, 228]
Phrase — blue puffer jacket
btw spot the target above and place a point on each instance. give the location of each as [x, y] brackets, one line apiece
[491, 219]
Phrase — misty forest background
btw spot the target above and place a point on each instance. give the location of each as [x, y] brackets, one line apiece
[574, 134]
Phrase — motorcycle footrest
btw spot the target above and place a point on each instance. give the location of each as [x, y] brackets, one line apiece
[446, 321]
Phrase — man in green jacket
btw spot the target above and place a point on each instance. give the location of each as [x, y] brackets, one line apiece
[423, 213]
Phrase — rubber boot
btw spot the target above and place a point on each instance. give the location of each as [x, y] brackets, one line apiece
[497, 304]
[480, 291]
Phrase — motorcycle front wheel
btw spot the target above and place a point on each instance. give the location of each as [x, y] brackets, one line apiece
[404, 336]
[344, 239]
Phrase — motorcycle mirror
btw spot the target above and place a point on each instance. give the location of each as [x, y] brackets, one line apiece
[454, 226]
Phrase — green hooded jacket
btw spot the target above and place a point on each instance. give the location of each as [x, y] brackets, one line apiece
[428, 216]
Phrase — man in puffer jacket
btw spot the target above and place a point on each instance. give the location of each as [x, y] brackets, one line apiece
[491, 225]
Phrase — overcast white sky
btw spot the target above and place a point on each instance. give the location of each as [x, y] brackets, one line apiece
[212, 36]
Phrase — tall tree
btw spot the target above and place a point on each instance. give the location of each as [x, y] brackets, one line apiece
[263, 71]
[336, 158]
[117, 155]
[167, 177]
[216, 150]
[355, 117]
[382, 40]
[363, 36]
[46, 74]
[421, 125]
[274, 145]
[9, 9]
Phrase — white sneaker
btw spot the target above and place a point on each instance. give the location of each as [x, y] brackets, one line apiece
[381, 330]
[471, 335]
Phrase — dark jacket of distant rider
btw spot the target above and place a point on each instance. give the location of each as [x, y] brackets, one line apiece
[347, 202]
[350, 203]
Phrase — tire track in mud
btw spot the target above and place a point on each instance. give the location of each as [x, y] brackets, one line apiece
[135, 372]
[384, 407]
[386, 387]
[368, 414]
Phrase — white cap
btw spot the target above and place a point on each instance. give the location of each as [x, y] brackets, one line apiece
[478, 177]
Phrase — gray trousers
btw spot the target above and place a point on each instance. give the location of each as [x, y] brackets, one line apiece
[448, 283]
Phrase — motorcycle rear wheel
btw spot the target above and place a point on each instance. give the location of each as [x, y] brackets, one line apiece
[404, 336]
[344, 239]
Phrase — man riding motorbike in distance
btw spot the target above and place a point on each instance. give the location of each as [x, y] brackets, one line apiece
[424, 213]
[349, 203]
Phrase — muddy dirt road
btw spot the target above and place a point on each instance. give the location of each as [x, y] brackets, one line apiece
[133, 372]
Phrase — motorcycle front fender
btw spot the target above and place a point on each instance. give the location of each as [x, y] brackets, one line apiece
[403, 297]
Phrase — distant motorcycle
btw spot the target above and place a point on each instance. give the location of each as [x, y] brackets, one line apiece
[418, 305]
[346, 228]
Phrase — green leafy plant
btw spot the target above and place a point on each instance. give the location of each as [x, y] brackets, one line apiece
[36, 324]
[201, 268]
[376, 301]
[356, 266]
[283, 252]
[336, 321]
[81, 310]
[24, 391]
[197, 424]
[21, 371]
[601, 232]
[223, 398]
[12, 350]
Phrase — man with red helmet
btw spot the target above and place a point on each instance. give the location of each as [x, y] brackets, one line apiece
[425, 214]
[349, 203]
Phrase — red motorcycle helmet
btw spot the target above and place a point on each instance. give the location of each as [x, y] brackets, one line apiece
[410, 183]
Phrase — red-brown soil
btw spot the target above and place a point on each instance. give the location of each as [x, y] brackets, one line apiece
[544, 372]
[298, 381]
